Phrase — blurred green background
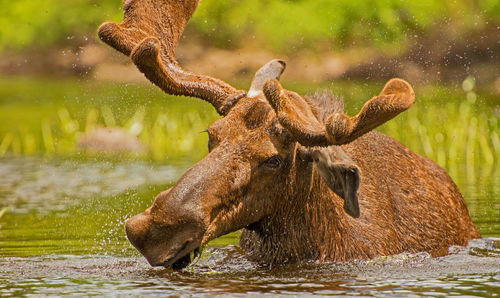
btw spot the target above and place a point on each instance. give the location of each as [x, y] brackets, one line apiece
[61, 81]
[283, 25]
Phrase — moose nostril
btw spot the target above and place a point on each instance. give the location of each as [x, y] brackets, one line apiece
[137, 228]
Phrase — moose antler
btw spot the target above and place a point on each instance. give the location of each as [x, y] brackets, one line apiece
[296, 115]
[149, 34]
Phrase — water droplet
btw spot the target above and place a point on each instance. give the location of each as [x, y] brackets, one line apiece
[468, 84]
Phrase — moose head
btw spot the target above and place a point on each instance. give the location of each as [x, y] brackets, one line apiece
[257, 150]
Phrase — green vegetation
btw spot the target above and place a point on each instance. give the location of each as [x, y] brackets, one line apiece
[3, 211]
[48, 117]
[25, 23]
[288, 25]
[280, 24]
[452, 134]
[168, 135]
[451, 127]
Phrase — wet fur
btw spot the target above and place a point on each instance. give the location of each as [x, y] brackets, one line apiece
[408, 203]
[324, 103]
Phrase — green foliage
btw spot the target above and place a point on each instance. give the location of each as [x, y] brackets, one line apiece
[3, 211]
[286, 25]
[26, 23]
[463, 138]
[283, 25]
[168, 135]
[49, 117]
[454, 128]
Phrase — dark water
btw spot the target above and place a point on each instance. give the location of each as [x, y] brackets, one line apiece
[472, 271]
[63, 234]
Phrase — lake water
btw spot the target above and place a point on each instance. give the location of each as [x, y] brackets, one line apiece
[63, 235]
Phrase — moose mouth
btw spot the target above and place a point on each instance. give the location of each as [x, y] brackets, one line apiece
[182, 258]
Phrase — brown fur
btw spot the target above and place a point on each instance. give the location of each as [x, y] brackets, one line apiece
[407, 202]
[285, 168]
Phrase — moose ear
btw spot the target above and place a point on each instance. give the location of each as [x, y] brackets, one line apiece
[271, 70]
[340, 174]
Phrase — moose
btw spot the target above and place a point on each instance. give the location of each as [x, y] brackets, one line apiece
[301, 178]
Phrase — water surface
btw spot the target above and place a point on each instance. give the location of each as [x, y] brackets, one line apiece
[68, 238]
[471, 271]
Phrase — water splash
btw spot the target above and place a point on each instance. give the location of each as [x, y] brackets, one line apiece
[226, 271]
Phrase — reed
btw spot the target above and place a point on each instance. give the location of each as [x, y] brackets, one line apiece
[462, 134]
[166, 136]
[3, 211]
[454, 135]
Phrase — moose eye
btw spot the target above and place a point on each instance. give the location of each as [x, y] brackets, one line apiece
[273, 162]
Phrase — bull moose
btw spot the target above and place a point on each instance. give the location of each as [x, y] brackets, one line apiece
[302, 179]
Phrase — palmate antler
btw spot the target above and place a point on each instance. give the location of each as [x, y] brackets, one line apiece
[297, 117]
[149, 34]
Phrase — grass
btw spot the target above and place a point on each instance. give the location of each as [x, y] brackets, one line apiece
[168, 135]
[454, 128]
[43, 117]
[3, 211]
[454, 134]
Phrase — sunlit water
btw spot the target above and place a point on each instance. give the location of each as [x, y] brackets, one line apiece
[472, 271]
[30, 184]
[64, 235]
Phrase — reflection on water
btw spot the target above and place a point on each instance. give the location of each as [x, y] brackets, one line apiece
[29, 184]
[63, 207]
[483, 201]
[64, 235]
[226, 271]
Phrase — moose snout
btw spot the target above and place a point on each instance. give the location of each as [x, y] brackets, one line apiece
[137, 229]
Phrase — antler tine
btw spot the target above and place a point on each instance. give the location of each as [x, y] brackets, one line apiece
[149, 35]
[396, 97]
[295, 114]
[297, 117]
